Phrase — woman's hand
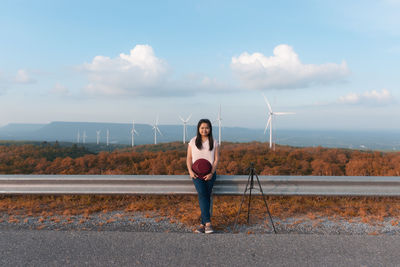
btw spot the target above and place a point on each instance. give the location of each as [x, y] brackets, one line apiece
[208, 176]
[193, 175]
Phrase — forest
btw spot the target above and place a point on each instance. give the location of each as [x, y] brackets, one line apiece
[170, 158]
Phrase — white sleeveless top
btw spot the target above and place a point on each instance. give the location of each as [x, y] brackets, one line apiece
[204, 153]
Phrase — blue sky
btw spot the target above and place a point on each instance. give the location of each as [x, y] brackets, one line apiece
[334, 63]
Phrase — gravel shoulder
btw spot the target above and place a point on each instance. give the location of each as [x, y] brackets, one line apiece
[151, 222]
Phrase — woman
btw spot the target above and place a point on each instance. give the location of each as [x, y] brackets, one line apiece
[203, 146]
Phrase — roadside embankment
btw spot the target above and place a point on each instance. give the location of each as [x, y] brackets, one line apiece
[305, 215]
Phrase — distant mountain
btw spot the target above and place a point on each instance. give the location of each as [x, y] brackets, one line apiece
[18, 129]
[364, 140]
[120, 134]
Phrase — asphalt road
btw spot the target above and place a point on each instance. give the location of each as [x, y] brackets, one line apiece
[113, 248]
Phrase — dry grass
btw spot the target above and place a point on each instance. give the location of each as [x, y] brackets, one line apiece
[185, 209]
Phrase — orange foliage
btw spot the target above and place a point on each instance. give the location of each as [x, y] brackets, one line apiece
[170, 159]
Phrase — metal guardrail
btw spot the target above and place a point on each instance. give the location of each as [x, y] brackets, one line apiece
[182, 184]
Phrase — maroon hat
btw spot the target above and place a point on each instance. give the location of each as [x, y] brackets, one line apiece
[202, 167]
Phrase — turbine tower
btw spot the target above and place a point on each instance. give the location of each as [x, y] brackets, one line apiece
[219, 125]
[84, 137]
[78, 137]
[155, 128]
[108, 137]
[98, 136]
[133, 132]
[271, 116]
[184, 126]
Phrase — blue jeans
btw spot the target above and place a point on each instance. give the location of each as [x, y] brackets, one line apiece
[204, 190]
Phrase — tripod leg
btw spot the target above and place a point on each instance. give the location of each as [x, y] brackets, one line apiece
[241, 203]
[266, 205]
[248, 208]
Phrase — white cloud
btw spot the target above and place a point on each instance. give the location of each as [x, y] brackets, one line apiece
[284, 70]
[141, 73]
[137, 73]
[7, 81]
[60, 89]
[368, 97]
[23, 77]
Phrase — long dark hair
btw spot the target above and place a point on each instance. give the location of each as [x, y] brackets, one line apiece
[199, 143]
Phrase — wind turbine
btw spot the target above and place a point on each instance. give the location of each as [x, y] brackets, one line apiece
[84, 137]
[133, 132]
[98, 136]
[219, 125]
[78, 137]
[271, 116]
[108, 137]
[184, 126]
[155, 128]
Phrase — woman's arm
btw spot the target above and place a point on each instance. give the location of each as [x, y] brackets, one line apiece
[215, 164]
[216, 159]
[189, 163]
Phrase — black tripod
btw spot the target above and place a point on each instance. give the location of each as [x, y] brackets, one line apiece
[250, 181]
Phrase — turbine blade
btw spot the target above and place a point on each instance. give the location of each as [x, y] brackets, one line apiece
[189, 118]
[283, 113]
[159, 131]
[266, 101]
[268, 123]
[181, 118]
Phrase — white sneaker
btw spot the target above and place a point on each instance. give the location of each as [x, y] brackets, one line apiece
[208, 229]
